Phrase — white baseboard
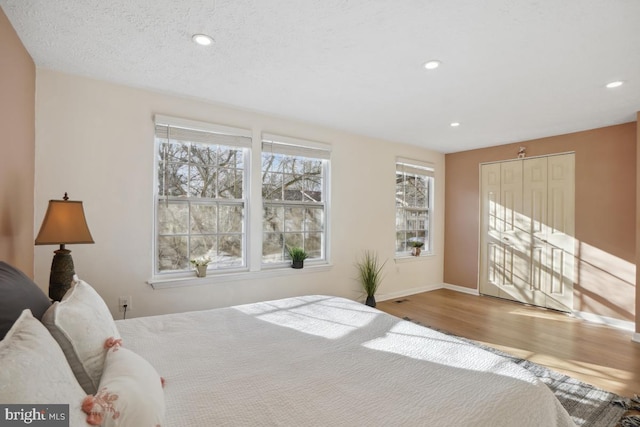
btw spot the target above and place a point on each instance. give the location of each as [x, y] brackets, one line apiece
[407, 292]
[610, 321]
[636, 337]
[462, 289]
[413, 291]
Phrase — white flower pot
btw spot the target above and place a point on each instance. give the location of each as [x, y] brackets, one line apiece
[201, 270]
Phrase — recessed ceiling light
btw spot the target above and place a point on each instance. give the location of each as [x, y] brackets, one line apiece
[202, 39]
[617, 83]
[432, 65]
[454, 124]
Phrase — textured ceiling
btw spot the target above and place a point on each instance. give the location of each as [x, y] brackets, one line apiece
[511, 69]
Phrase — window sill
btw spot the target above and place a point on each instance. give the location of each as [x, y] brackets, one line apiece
[215, 278]
[400, 259]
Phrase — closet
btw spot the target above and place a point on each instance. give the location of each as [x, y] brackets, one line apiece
[527, 223]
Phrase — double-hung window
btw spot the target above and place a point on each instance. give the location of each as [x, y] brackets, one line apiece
[295, 176]
[201, 197]
[414, 206]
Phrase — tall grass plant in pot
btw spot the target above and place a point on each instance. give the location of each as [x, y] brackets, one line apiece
[297, 255]
[370, 275]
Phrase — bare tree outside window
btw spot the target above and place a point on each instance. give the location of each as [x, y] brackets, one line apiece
[200, 200]
[413, 208]
[294, 210]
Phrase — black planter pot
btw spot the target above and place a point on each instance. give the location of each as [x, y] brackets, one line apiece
[297, 264]
[371, 301]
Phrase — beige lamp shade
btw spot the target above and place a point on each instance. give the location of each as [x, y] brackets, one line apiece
[64, 223]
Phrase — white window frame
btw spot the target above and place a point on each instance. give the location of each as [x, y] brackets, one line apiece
[309, 149]
[230, 137]
[427, 170]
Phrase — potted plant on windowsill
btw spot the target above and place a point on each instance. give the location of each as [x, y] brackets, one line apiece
[369, 275]
[201, 264]
[297, 255]
[416, 247]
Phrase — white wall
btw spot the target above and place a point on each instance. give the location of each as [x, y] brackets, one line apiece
[94, 140]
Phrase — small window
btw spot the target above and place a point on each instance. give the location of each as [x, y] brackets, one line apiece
[414, 206]
[201, 197]
[294, 195]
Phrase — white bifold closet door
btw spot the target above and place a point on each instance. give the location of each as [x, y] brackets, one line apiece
[527, 243]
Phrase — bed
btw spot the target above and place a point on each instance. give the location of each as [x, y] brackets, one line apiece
[320, 360]
[303, 361]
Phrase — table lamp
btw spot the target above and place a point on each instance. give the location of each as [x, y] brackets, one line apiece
[64, 223]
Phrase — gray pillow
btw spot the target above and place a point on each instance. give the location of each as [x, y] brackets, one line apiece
[18, 292]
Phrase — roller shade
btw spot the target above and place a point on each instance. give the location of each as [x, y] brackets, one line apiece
[295, 147]
[415, 167]
[201, 132]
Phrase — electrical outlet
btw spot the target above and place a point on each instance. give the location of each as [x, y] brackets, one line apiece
[122, 301]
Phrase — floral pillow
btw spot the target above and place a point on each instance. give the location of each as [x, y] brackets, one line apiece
[130, 391]
[80, 323]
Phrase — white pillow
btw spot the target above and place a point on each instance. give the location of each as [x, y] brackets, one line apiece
[130, 392]
[35, 371]
[81, 323]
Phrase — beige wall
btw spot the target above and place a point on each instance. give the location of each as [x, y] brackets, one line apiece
[605, 214]
[95, 141]
[17, 144]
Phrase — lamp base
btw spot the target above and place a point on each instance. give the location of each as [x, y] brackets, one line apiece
[62, 272]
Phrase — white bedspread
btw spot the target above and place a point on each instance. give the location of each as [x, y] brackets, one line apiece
[327, 361]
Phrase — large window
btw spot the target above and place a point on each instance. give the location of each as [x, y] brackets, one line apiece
[414, 206]
[201, 198]
[294, 195]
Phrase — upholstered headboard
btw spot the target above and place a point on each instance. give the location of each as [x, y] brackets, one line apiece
[18, 292]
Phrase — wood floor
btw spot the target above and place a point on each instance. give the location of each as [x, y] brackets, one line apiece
[596, 354]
